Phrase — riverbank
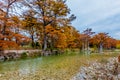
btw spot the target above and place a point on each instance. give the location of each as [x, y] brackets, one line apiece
[20, 51]
[8, 55]
[62, 67]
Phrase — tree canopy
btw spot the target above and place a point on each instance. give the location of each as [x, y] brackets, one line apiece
[47, 23]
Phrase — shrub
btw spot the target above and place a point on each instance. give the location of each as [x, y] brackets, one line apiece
[35, 54]
[24, 55]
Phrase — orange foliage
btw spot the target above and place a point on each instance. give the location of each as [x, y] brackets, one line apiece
[72, 36]
[53, 15]
[61, 41]
[8, 45]
[104, 39]
[110, 43]
[58, 35]
[12, 40]
[99, 38]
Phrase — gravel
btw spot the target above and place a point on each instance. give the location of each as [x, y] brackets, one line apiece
[100, 71]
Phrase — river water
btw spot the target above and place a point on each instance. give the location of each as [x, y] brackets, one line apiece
[61, 67]
[24, 67]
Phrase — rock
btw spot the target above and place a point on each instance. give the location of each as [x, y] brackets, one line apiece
[9, 56]
[119, 76]
[99, 71]
[2, 58]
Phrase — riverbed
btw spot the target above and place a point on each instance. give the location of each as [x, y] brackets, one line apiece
[62, 67]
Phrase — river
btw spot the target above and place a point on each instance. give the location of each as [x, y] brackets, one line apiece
[62, 67]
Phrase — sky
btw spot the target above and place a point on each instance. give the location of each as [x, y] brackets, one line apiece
[100, 15]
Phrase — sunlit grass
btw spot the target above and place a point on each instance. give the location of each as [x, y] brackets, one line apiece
[61, 67]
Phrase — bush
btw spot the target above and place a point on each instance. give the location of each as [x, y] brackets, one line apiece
[118, 46]
[35, 54]
[24, 55]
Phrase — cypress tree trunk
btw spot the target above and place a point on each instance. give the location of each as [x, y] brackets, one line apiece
[33, 45]
[101, 48]
[45, 42]
[44, 39]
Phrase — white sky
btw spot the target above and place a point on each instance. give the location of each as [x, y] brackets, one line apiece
[100, 15]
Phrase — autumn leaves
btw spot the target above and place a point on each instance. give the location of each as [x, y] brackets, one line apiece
[46, 22]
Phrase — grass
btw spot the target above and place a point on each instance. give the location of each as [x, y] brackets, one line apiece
[62, 67]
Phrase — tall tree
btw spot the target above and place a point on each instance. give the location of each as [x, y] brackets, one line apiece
[6, 5]
[52, 12]
[30, 24]
[86, 38]
[110, 43]
[99, 40]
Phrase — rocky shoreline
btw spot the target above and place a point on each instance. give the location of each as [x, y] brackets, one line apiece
[8, 55]
[100, 71]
